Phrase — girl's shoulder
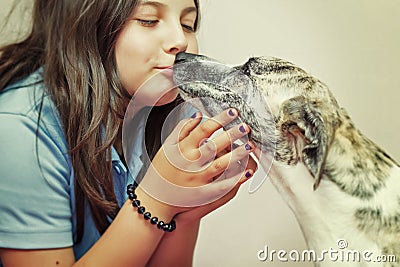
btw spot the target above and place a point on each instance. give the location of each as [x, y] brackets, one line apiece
[29, 112]
[24, 96]
[28, 100]
[36, 185]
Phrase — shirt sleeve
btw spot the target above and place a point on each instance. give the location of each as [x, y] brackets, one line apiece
[35, 177]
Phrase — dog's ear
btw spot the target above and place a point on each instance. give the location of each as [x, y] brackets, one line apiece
[302, 119]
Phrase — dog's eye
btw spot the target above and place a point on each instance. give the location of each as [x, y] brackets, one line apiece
[246, 70]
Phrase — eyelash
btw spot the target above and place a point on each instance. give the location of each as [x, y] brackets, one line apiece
[147, 23]
[151, 23]
[188, 28]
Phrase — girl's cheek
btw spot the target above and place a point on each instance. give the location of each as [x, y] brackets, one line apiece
[193, 46]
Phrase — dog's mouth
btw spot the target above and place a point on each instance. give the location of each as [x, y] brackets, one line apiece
[220, 86]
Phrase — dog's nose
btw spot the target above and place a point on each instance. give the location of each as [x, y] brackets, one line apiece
[183, 56]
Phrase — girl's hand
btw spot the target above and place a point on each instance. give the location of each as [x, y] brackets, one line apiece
[195, 214]
[188, 160]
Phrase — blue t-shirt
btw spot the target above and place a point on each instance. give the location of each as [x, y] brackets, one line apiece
[37, 205]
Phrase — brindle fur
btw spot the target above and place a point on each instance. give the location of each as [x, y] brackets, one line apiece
[309, 127]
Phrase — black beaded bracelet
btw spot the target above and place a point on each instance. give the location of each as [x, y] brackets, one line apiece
[166, 227]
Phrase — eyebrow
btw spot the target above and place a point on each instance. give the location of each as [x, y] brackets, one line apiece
[162, 5]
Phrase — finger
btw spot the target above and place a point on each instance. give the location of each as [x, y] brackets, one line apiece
[247, 174]
[208, 151]
[219, 165]
[188, 127]
[183, 129]
[207, 128]
[230, 186]
[229, 189]
[252, 164]
[201, 211]
[226, 138]
[239, 167]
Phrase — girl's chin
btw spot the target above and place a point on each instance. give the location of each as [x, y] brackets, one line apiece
[168, 97]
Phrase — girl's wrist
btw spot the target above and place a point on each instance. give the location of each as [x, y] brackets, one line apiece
[186, 221]
[163, 211]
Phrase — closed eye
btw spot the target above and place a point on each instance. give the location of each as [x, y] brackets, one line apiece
[147, 23]
[188, 28]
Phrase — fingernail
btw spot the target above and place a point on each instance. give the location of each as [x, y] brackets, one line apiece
[231, 112]
[194, 115]
[248, 174]
[247, 147]
[234, 145]
[242, 129]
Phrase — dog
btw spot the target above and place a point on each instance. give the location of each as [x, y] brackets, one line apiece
[339, 184]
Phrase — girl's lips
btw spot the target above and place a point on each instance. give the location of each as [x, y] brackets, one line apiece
[166, 71]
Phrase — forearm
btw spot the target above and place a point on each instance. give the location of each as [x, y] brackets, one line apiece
[129, 241]
[177, 248]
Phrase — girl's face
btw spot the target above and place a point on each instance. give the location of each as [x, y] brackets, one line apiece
[153, 35]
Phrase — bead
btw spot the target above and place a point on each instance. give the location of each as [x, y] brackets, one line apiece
[130, 189]
[136, 203]
[141, 210]
[160, 224]
[132, 196]
[147, 216]
[173, 225]
[166, 227]
[135, 185]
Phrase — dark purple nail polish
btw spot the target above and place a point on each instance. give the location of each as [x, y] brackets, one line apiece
[247, 147]
[231, 112]
[234, 145]
[248, 174]
[242, 129]
[194, 115]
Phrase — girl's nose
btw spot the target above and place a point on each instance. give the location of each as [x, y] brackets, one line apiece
[176, 40]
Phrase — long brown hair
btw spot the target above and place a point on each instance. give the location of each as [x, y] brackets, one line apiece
[74, 42]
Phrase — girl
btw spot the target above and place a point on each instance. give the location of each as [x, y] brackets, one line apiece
[64, 92]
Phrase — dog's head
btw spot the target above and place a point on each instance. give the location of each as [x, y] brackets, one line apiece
[286, 108]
